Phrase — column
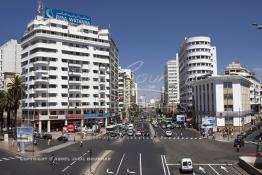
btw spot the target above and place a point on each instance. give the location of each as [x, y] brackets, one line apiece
[105, 122]
[39, 126]
[48, 126]
[82, 124]
[65, 122]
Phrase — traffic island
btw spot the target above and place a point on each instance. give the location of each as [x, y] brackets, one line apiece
[251, 164]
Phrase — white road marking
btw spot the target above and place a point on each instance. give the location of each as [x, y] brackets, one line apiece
[130, 172]
[214, 169]
[120, 164]
[163, 165]
[202, 169]
[73, 163]
[224, 168]
[109, 172]
[140, 163]
[65, 169]
[166, 165]
[202, 164]
[5, 158]
[1, 160]
[11, 158]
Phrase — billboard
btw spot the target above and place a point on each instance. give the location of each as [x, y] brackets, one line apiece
[209, 121]
[67, 16]
[180, 118]
[97, 115]
[24, 134]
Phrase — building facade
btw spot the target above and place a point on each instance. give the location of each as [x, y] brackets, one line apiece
[172, 85]
[71, 73]
[197, 60]
[235, 68]
[10, 59]
[222, 102]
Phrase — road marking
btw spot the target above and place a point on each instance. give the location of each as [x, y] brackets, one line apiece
[166, 164]
[163, 165]
[130, 172]
[224, 168]
[140, 163]
[1, 160]
[11, 158]
[109, 172]
[73, 163]
[214, 169]
[65, 169]
[120, 164]
[202, 164]
[202, 169]
[5, 158]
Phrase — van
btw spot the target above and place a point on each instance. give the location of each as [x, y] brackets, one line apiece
[186, 165]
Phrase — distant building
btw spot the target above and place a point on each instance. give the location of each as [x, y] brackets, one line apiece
[222, 102]
[10, 59]
[171, 93]
[142, 102]
[235, 68]
[197, 61]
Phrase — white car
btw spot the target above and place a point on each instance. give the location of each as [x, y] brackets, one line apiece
[89, 131]
[186, 165]
[168, 133]
[130, 132]
[138, 133]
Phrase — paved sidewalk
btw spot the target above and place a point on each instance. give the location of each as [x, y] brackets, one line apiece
[32, 150]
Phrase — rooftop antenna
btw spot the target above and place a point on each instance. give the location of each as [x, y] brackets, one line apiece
[40, 8]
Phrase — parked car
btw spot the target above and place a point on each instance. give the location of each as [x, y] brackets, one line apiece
[186, 165]
[113, 134]
[47, 136]
[37, 135]
[138, 133]
[63, 138]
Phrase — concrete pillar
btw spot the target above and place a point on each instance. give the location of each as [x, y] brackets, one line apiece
[106, 122]
[48, 126]
[82, 123]
[65, 122]
[39, 126]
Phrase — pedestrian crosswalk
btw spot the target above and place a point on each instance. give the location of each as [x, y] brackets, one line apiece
[161, 138]
[9, 158]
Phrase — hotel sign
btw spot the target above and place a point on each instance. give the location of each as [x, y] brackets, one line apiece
[67, 16]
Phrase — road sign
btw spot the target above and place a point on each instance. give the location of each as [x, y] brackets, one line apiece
[24, 134]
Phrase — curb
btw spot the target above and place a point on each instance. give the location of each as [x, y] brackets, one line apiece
[97, 163]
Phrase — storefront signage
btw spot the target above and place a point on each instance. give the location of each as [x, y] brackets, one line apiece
[24, 134]
[98, 115]
[73, 116]
[209, 121]
[53, 117]
[67, 16]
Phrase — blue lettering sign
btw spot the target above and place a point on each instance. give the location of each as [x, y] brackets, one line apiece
[67, 16]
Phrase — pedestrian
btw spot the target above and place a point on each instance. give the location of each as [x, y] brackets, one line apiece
[48, 141]
[18, 146]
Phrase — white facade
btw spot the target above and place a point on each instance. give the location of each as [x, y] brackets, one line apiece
[235, 68]
[172, 82]
[69, 69]
[197, 60]
[10, 59]
[223, 99]
[142, 102]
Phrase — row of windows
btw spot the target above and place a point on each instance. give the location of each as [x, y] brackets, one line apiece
[198, 50]
[44, 86]
[38, 41]
[199, 64]
[199, 72]
[50, 104]
[198, 42]
[66, 95]
[63, 35]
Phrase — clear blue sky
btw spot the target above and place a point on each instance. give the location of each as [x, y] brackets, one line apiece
[152, 30]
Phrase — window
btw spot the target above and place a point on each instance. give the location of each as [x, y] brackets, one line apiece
[64, 86]
[64, 95]
[52, 112]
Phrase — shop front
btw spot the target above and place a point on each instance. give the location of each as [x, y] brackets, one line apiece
[94, 118]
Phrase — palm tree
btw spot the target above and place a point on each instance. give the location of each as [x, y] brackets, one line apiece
[17, 90]
[2, 108]
[9, 106]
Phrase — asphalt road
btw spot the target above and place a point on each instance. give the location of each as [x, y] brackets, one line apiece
[136, 155]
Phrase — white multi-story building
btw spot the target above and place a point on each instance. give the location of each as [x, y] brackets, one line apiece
[71, 73]
[222, 102]
[142, 102]
[172, 83]
[235, 68]
[197, 60]
[10, 59]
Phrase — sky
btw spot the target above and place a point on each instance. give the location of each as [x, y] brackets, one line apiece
[149, 32]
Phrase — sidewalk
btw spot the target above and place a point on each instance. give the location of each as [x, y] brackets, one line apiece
[219, 137]
[34, 150]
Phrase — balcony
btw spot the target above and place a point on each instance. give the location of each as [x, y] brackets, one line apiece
[74, 82]
[39, 98]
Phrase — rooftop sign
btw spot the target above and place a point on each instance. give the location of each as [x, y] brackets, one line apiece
[67, 16]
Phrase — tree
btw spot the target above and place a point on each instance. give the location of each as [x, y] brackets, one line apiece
[16, 89]
[9, 106]
[2, 107]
